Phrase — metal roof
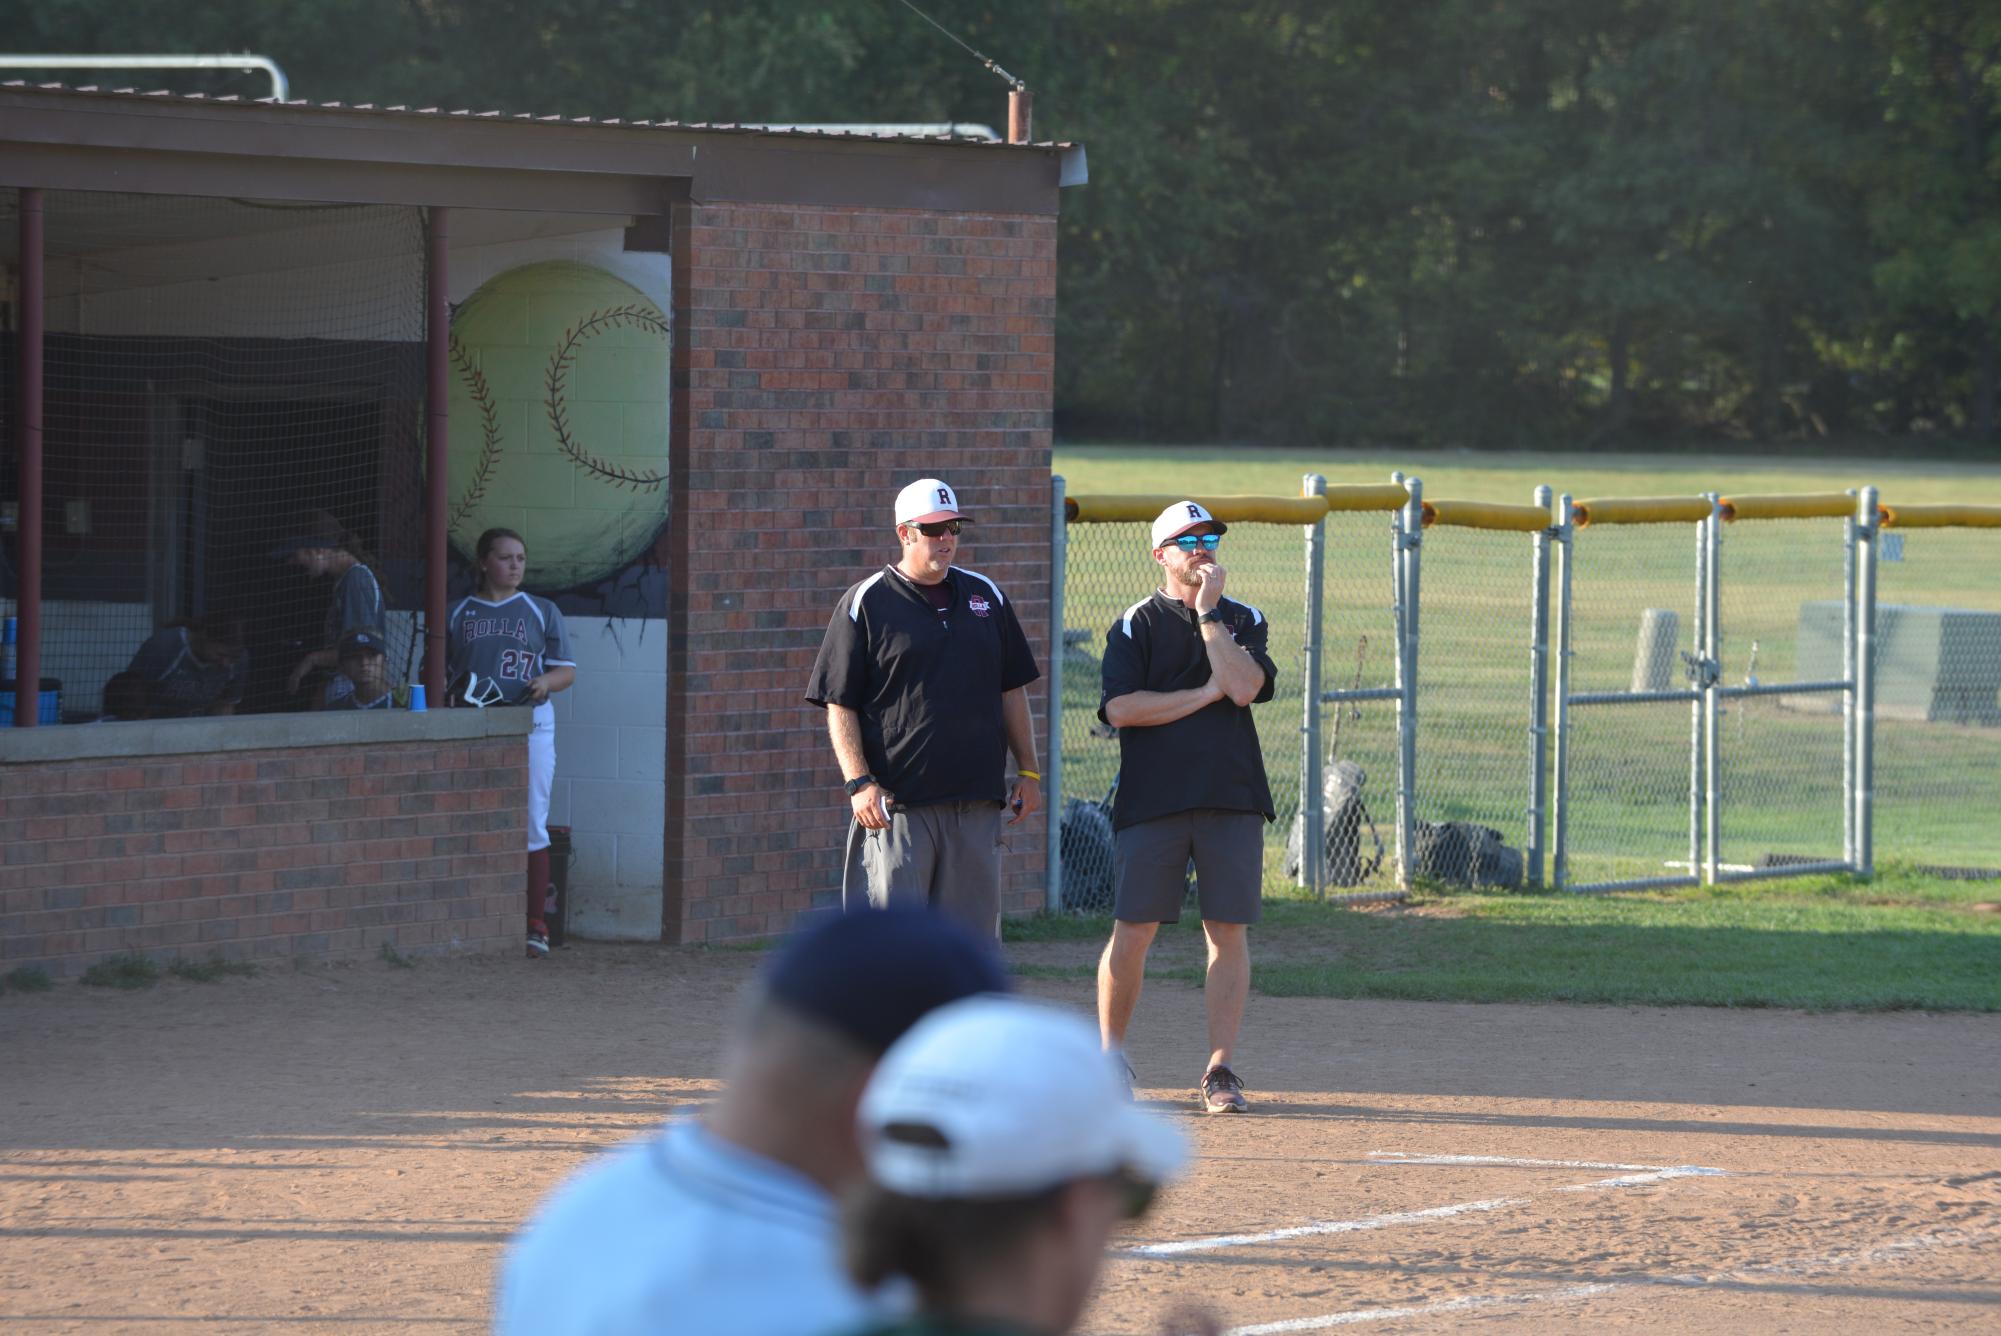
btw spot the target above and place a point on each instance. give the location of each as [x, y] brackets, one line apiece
[306, 106]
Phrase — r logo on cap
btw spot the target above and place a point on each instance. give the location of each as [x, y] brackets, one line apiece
[1194, 511]
[945, 498]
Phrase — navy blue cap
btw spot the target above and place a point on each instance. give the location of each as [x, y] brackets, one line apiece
[359, 638]
[874, 974]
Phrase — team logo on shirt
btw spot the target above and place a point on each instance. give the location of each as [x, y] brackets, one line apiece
[980, 607]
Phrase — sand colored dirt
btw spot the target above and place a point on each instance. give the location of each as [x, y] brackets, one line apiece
[350, 1149]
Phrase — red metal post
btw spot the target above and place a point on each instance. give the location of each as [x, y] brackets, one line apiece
[28, 652]
[437, 364]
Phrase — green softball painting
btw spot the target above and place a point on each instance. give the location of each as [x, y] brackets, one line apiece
[559, 418]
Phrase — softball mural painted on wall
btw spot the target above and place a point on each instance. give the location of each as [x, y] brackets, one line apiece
[559, 419]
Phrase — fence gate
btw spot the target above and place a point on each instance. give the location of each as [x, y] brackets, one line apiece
[1779, 663]
[1631, 669]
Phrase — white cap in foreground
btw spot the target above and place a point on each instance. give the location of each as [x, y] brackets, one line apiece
[945, 1114]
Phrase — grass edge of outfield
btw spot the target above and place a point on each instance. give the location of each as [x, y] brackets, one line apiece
[1900, 942]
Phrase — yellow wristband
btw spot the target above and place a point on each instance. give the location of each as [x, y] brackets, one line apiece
[1026, 774]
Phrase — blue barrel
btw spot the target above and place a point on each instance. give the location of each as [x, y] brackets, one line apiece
[51, 702]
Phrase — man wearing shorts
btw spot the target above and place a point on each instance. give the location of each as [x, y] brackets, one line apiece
[1182, 668]
[924, 674]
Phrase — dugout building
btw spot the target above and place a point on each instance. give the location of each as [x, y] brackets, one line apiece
[692, 364]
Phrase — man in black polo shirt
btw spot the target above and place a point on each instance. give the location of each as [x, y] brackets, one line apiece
[1182, 669]
[924, 674]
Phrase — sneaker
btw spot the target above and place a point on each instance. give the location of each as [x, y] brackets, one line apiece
[1128, 1075]
[1222, 1092]
[538, 945]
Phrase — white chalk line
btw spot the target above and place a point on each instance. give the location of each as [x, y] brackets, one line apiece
[1215, 1242]
[1808, 1266]
[1324, 1227]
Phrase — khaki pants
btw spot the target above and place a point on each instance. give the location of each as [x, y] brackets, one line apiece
[943, 855]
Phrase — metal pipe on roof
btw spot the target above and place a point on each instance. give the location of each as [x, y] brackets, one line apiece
[28, 596]
[1020, 115]
[281, 87]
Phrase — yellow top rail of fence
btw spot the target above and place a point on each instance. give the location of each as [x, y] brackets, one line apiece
[1104, 509]
[1793, 506]
[1941, 517]
[1486, 515]
[1640, 510]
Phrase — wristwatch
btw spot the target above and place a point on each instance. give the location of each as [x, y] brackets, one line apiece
[857, 784]
[1213, 615]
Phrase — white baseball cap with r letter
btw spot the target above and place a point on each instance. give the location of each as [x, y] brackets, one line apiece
[943, 1116]
[1179, 518]
[927, 501]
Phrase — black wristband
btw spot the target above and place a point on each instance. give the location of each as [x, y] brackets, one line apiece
[857, 784]
[1213, 615]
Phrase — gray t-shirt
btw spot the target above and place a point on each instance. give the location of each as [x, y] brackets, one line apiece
[357, 601]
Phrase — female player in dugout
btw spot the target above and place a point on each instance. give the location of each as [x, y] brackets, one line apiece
[508, 647]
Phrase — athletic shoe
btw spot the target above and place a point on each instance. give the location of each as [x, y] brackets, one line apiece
[538, 945]
[1127, 1074]
[1222, 1092]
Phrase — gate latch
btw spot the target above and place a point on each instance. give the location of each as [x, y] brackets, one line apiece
[1702, 672]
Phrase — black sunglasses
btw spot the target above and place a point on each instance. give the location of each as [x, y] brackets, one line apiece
[1208, 542]
[938, 529]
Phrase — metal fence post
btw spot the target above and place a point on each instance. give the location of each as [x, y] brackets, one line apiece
[1697, 673]
[1564, 532]
[1848, 692]
[1052, 761]
[1867, 523]
[1538, 694]
[1313, 816]
[1410, 625]
[1398, 611]
[1712, 659]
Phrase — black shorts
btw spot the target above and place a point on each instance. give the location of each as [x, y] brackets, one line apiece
[1151, 864]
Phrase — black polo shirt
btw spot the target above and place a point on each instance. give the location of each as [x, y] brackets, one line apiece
[1209, 759]
[928, 685]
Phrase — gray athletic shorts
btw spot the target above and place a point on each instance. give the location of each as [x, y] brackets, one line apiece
[944, 855]
[1151, 865]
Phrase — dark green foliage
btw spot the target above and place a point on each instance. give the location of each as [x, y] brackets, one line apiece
[130, 970]
[1532, 222]
[27, 979]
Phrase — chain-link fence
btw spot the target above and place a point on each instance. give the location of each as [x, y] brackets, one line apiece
[1654, 691]
[1937, 734]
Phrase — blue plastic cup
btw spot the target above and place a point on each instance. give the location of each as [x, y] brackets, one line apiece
[417, 697]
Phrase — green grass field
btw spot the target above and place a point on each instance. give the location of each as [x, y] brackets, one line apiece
[1937, 784]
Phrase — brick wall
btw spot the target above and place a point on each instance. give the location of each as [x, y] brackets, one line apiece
[320, 852]
[825, 357]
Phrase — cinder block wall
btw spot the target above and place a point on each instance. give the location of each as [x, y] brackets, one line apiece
[823, 358]
[323, 852]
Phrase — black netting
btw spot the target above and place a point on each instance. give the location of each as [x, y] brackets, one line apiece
[224, 378]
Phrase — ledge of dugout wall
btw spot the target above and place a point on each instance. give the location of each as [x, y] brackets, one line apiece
[1794, 506]
[1641, 510]
[1941, 517]
[1486, 515]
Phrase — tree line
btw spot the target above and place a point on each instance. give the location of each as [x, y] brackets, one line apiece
[1554, 223]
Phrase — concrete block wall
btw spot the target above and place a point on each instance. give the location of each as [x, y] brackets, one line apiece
[825, 357]
[611, 763]
[321, 838]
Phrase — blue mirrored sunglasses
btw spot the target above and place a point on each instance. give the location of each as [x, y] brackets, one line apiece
[1208, 542]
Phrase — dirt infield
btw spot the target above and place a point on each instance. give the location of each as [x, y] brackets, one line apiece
[350, 1149]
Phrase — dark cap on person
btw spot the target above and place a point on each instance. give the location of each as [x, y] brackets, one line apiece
[362, 640]
[874, 974]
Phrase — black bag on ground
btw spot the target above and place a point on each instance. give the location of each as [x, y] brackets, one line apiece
[1086, 848]
[1460, 853]
[1345, 816]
